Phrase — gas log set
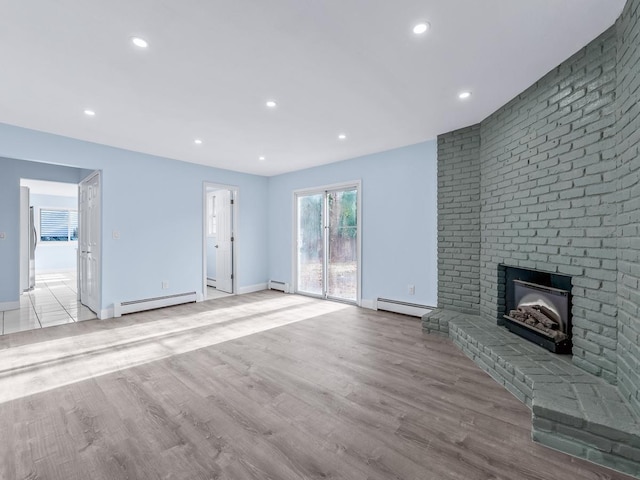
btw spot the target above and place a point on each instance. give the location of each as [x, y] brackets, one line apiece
[541, 318]
[539, 313]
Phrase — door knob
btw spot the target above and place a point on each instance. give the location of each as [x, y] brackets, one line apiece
[216, 246]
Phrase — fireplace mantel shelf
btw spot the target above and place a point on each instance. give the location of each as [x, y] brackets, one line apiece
[572, 410]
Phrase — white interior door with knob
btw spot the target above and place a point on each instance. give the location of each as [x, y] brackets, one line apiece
[89, 241]
[224, 245]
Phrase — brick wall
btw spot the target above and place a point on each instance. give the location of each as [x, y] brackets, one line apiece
[559, 175]
[628, 140]
[459, 220]
[548, 194]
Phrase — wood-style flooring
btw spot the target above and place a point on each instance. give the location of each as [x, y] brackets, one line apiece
[260, 386]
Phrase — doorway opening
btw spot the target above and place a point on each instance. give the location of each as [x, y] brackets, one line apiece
[327, 251]
[49, 234]
[219, 243]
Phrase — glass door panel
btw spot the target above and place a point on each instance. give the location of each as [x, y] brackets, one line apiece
[342, 253]
[310, 244]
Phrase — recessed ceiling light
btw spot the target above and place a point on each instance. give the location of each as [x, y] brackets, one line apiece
[464, 95]
[271, 104]
[89, 113]
[197, 141]
[421, 28]
[139, 42]
[342, 136]
[261, 158]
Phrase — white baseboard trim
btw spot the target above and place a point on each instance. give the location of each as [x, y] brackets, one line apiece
[105, 313]
[211, 282]
[4, 306]
[280, 286]
[405, 308]
[370, 304]
[252, 288]
[144, 304]
[199, 297]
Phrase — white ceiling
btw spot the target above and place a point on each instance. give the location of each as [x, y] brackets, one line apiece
[333, 66]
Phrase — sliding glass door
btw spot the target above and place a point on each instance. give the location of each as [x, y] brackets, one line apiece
[327, 243]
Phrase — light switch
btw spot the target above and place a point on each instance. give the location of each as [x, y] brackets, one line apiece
[116, 235]
[3, 235]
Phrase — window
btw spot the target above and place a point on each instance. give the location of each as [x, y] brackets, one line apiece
[58, 225]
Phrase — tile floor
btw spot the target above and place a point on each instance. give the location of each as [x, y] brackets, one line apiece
[53, 301]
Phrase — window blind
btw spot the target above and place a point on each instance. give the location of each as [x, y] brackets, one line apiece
[58, 225]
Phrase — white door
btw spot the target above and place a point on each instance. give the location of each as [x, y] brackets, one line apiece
[224, 246]
[89, 242]
[25, 234]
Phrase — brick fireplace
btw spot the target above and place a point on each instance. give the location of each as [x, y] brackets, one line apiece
[551, 182]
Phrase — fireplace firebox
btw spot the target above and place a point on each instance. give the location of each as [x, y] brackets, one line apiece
[538, 307]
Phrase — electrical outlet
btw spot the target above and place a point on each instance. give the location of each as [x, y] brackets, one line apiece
[165, 284]
[412, 289]
[3, 235]
[115, 234]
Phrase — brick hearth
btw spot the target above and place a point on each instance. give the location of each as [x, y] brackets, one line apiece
[572, 410]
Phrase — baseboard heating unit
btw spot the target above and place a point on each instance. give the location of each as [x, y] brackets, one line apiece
[405, 308]
[133, 306]
[276, 285]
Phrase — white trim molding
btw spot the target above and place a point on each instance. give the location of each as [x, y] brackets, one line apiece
[277, 285]
[141, 305]
[405, 308]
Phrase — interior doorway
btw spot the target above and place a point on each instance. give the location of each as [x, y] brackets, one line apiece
[49, 260]
[48, 229]
[220, 252]
[327, 253]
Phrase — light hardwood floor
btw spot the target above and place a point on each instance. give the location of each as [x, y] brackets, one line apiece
[260, 386]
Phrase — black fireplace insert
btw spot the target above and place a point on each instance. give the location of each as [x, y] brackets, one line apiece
[539, 312]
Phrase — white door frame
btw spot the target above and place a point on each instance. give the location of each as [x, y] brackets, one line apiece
[357, 184]
[234, 228]
[98, 236]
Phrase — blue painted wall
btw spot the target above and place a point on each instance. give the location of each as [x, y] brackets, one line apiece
[399, 220]
[155, 203]
[54, 256]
